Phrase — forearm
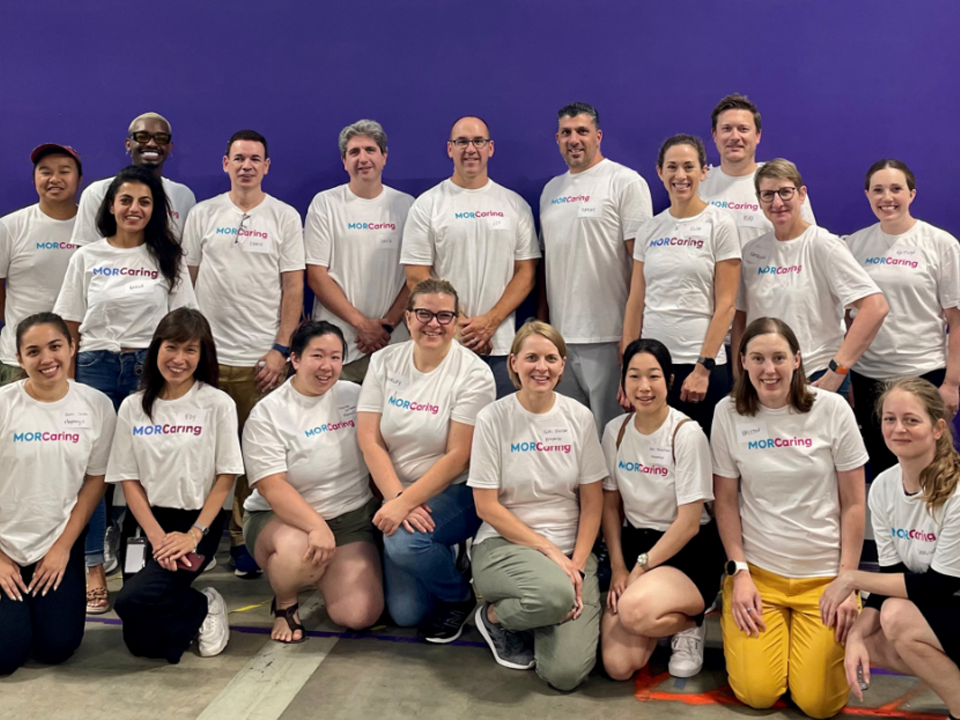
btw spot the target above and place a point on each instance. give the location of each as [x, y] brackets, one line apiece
[870, 314]
[438, 478]
[717, 331]
[415, 274]
[291, 305]
[378, 462]
[588, 527]
[394, 315]
[953, 348]
[633, 312]
[331, 295]
[289, 505]
[214, 502]
[680, 532]
[736, 333]
[543, 306]
[138, 504]
[852, 522]
[516, 291]
[87, 500]
[888, 584]
[727, 508]
[612, 528]
[867, 624]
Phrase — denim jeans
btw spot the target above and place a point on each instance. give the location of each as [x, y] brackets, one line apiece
[116, 375]
[419, 568]
[844, 388]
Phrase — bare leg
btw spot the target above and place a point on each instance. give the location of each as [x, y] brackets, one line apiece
[352, 586]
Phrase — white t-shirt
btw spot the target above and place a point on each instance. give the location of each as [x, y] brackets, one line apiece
[472, 238]
[653, 486]
[585, 219]
[358, 241]
[314, 441]
[787, 463]
[679, 259]
[538, 463]
[119, 296]
[416, 408]
[738, 196]
[905, 532]
[180, 200]
[177, 454]
[34, 252]
[238, 284]
[45, 451]
[919, 274]
[806, 282]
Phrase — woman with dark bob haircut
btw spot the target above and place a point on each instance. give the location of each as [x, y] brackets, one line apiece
[114, 293]
[788, 478]
[177, 453]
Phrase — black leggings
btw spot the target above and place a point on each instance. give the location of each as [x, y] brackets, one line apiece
[49, 628]
[161, 612]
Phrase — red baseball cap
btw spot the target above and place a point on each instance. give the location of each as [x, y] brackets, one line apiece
[41, 151]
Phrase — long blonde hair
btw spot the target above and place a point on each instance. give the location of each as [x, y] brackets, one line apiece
[939, 479]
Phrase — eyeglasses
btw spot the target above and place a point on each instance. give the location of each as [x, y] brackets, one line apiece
[143, 137]
[240, 228]
[478, 143]
[785, 193]
[444, 317]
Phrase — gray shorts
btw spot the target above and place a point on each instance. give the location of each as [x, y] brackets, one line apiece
[354, 526]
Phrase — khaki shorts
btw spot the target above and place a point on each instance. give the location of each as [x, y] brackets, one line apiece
[354, 526]
[10, 373]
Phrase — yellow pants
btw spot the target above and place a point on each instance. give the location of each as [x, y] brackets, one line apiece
[796, 651]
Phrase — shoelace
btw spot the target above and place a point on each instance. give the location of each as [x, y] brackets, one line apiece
[685, 643]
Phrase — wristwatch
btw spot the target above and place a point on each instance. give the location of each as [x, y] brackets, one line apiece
[642, 560]
[735, 566]
[708, 363]
[838, 368]
[282, 349]
[202, 528]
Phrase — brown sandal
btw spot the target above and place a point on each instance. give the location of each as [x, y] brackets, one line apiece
[287, 614]
[98, 601]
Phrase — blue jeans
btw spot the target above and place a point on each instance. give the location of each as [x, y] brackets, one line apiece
[844, 388]
[498, 364]
[419, 568]
[116, 375]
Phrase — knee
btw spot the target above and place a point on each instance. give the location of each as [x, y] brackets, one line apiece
[358, 613]
[755, 695]
[406, 611]
[636, 615]
[816, 704]
[12, 658]
[404, 548]
[563, 676]
[552, 602]
[61, 651]
[894, 620]
[617, 667]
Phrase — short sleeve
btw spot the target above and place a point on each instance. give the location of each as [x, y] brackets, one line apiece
[189, 202]
[192, 232]
[229, 458]
[123, 462]
[71, 304]
[99, 459]
[372, 391]
[694, 472]
[6, 250]
[848, 449]
[806, 211]
[528, 246]
[182, 294]
[317, 238]
[85, 228]
[593, 467]
[642, 240]
[946, 556]
[726, 238]
[609, 447]
[635, 206]
[848, 281]
[417, 247]
[880, 521]
[291, 242]
[264, 452]
[485, 460]
[724, 461]
[477, 390]
[948, 275]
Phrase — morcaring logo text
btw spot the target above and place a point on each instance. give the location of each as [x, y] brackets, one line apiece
[329, 427]
[412, 406]
[539, 447]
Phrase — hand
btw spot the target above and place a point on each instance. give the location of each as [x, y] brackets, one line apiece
[635, 574]
[566, 564]
[833, 596]
[951, 397]
[829, 381]
[856, 655]
[419, 519]
[371, 335]
[271, 371]
[49, 571]
[847, 615]
[747, 605]
[174, 546]
[10, 579]
[694, 388]
[624, 401]
[321, 545]
[397, 511]
[475, 332]
[486, 349]
[618, 583]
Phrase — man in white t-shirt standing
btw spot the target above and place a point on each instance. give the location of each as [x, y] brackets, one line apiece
[35, 247]
[479, 236]
[589, 217]
[244, 249]
[736, 133]
[149, 143]
[352, 244]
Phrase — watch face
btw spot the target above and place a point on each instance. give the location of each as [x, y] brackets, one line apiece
[731, 568]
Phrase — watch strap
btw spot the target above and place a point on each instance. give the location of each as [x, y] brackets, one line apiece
[282, 349]
[838, 368]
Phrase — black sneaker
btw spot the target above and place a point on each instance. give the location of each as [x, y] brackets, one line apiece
[512, 650]
[446, 623]
[463, 564]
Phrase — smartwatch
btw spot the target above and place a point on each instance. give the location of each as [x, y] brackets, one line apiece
[282, 349]
[708, 363]
[735, 566]
[202, 528]
[388, 327]
[838, 368]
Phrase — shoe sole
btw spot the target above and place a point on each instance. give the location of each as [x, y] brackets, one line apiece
[685, 673]
[482, 627]
[247, 575]
[444, 641]
[222, 609]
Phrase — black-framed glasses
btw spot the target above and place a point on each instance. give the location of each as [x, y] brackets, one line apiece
[785, 193]
[444, 317]
[241, 227]
[143, 137]
[478, 142]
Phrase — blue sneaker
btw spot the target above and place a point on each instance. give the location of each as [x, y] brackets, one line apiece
[244, 566]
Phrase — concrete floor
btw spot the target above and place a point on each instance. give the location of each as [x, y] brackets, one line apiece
[384, 674]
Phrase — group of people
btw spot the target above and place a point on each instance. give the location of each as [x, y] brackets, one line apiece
[410, 449]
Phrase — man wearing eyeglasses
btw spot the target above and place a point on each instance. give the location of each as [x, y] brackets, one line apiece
[244, 250]
[149, 143]
[736, 133]
[480, 236]
[352, 236]
[589, 217]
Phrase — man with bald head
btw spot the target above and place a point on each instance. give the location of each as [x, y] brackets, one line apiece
[149, 143]
[480, 236]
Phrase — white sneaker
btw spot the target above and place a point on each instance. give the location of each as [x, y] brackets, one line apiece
[211, 565]
[687, 658]
[215, 631]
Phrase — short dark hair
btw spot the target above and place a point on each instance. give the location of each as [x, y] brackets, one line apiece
[896, 165]
[476, 117]
[251, 135]
[579, 108]
[180, 325]
[42, 318]
[311, 329]
[735, 102]
[681, 139]
[652, 347]
[745, 394]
